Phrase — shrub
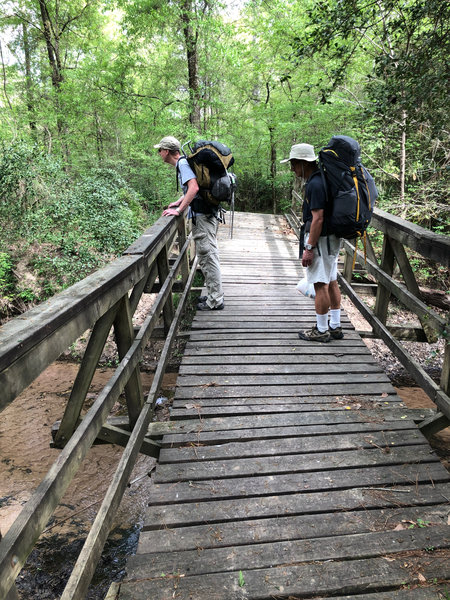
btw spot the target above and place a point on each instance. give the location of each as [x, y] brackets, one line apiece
[59, 229]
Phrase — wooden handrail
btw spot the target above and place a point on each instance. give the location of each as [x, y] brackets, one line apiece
[30, 343]
[433, 246]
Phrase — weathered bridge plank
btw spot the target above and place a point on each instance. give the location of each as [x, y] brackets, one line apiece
[211, 389]
[309, 502]
[303, 580]
[384, 440]
[271, 554]
[279, 528]
[288, 469]
[300, 423]
[291, 463]
[289, 483]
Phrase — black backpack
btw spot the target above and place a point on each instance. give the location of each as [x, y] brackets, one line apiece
[210, 160]
[351, 190]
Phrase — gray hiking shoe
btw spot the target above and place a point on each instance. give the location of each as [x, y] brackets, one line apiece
[314, 335]
[336, 333]
[204, 306]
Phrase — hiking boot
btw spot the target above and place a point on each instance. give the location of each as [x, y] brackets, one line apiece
[336, 333]
[204, 306]
[314, 335]
[201, 299]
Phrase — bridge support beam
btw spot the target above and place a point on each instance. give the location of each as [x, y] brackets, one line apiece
[84, 377]
[434, 424]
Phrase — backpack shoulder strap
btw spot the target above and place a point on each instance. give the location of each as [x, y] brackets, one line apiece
[324, 181]
[177, 168]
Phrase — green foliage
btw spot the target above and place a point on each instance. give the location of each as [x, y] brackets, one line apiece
[241, 579]
[6, 276]
[60, 228]
[419, 523]
[400, 55]
[24, 175]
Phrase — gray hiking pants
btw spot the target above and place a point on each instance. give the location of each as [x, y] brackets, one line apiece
[204, 233]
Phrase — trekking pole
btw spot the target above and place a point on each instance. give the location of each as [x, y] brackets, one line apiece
[232, 216]
[188, 144]
[233, 188]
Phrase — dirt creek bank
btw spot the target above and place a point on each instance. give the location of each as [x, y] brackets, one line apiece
[26, 456]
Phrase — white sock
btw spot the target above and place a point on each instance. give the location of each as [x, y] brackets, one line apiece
[335, 318]
[322, 322]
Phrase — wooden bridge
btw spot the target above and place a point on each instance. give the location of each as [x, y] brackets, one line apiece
[287, 470]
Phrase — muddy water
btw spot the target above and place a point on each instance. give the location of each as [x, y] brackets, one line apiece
[25, 457]
[25, 434]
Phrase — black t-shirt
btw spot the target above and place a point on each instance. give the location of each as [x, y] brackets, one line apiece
[315, 199]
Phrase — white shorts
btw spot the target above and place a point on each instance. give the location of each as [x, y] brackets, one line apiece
[324, 265]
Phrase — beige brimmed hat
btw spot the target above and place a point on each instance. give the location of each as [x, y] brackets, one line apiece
[169, 143]
[301, 152]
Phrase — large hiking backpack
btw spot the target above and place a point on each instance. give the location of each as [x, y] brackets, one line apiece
[210, 160]
[351, 190]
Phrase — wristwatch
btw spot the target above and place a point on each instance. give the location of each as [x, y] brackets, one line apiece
[178, 211]
[309, 247]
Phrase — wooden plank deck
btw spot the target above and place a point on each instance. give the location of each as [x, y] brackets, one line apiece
[292, 469]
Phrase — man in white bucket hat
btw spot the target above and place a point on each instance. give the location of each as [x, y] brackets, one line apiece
[301, 152]
[321, 251]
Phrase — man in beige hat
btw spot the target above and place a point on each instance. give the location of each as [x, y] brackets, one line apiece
[321, 250]
[204, 222]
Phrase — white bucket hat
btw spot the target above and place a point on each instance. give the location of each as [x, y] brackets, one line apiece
[301, 152]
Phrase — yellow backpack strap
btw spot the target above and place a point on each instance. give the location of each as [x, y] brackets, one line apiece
[364, 238]
[355, 179]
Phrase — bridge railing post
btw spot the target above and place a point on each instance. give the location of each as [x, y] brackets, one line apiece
[181, 241]
[83, 380]
[163, 271]
[383, 293]
[445, 375]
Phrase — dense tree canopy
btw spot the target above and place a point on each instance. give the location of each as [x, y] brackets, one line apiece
[88, 86]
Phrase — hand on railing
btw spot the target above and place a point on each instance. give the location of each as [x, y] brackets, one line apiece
[171, 211]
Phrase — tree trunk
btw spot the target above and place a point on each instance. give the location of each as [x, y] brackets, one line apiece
[191, 39]
[435, 298]
[51, 36]
[403, 158]
[4, 77]
[273, 170]
[28, 79]
[98, 137]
